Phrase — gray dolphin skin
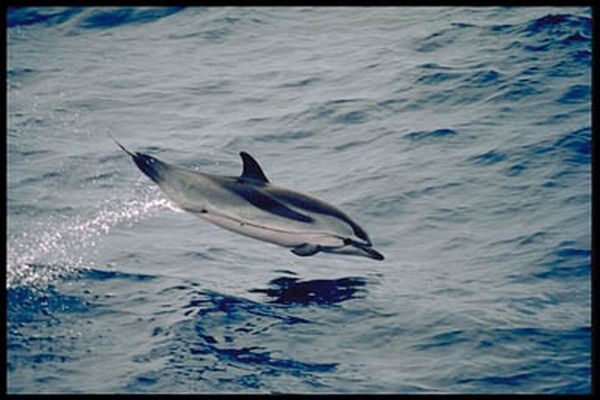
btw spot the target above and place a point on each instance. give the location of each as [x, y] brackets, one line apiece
[252, 206]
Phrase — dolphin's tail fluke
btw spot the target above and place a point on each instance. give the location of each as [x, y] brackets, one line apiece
[123, 147]
[150, 166]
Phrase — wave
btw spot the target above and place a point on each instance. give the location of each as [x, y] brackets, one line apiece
[102, 19]
[32, 16]
[89, 18]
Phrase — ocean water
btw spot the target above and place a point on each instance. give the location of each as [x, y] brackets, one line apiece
[459, 138]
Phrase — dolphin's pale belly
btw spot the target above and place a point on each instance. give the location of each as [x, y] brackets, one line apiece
[282, 236]
[208, 199]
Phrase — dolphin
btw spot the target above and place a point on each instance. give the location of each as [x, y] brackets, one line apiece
[251, 205]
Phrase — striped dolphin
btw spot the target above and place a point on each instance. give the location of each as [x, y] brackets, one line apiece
[252, 206]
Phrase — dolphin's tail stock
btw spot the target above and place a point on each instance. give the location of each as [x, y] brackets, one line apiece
[150, 166]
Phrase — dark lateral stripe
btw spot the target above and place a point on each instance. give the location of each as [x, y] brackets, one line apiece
[321, 208]
[267, 203]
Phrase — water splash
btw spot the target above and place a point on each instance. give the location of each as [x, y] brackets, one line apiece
[39, 255]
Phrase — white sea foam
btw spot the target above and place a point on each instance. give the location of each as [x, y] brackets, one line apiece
[55, 247]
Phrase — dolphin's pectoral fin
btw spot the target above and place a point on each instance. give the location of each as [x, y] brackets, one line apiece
[251, 168]
[306, 249]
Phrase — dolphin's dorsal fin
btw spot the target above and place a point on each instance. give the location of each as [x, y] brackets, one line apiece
[251, 168]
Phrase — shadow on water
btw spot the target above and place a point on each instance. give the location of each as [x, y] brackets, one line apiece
[292, 291]
[227, 336]
[226, 341]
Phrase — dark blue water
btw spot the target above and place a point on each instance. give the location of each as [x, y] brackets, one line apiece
[459, 138]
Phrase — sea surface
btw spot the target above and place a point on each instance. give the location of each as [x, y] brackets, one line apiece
[458, 138]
